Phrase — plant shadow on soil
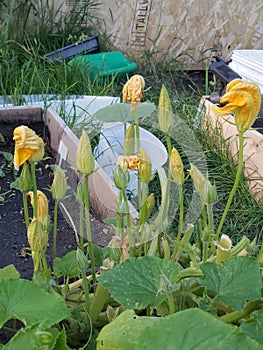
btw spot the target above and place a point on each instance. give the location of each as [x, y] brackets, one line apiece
[13, 234]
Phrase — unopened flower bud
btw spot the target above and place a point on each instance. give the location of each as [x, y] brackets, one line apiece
[59, 184]
[166, 249]
[203, 186]
[212, 195]
[85, 160]
[223, 248]
[121, 177]
[150, 202]
[37, 236]
[129, 141]
[176, 167]
[80, 194]
[165, 114]
[42, 205]
[145, 166]
[25, 180]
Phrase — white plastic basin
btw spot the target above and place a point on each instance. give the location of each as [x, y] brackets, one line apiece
[110, 146]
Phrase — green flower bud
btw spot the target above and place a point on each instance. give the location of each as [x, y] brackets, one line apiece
[176, 167]
[59, 185]
[80, 195]
[212, 195]
[25, 180]
[85, 160]
[166, 249]
[150, 202]
[145, 166]
[121, 178]
[203, 186]
[37, 236]
[165, 114]
[223, 248]
[129, 141]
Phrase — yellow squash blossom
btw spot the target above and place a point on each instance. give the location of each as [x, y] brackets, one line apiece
[128, 162]
[243, 100]
[42, 205]
[132, 90]
[28, 146]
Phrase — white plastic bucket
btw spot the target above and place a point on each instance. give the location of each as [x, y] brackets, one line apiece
[249, 65]
[110, 146]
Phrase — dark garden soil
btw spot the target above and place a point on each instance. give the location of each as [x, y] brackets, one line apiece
[13, 235]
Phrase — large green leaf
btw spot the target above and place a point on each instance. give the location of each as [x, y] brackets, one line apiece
[141, 282]
[32, 338]
[66, 266]
[235, 281]
[29, 303]
[186, 330]
[120, 112]
[254, 326]
[9, 271]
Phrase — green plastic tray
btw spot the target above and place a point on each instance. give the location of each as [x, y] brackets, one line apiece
[105, 64]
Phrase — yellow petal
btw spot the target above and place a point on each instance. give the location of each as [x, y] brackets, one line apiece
[21, 156]
[28, 146]
[232, 84]
[42, 204]
[243, 100]
[254, 91]
[145, 166]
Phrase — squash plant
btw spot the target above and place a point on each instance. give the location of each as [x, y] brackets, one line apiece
[149, 288]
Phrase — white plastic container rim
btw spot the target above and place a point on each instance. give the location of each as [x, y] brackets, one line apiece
[249, 65]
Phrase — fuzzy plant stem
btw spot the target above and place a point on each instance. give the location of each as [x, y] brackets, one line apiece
[33, 171]
[88, 229]
[234, 316]
[169, 144]
[205, 235]
[171, 304]
[181, 212]
[81, 226]
[128, 222]
[55, 225]
[138, 146]
[234, 188]
[25, 206]
[86, 290]
[137, 130]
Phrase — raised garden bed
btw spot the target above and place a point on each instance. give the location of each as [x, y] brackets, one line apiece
[253, 148]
